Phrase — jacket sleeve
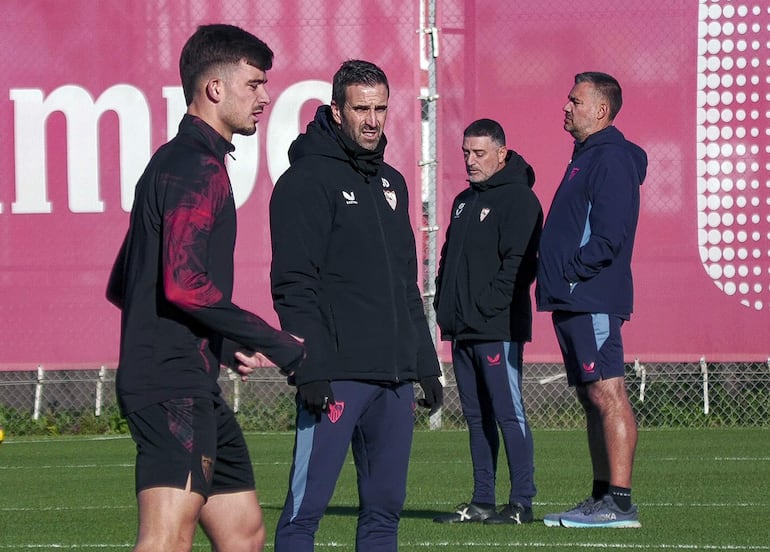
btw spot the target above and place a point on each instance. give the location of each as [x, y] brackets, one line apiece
[427, 359]
[611, 205]
[189, 214]
[440, 270]
[515, 236]
[116, 284]
[300, 224]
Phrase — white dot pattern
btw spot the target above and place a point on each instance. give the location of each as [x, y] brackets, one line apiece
[733, 147]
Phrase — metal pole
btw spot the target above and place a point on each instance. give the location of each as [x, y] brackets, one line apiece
[100, 390]
[641, 372]
[705, 371]
[429, 32]
[429, 167]
[236, 394]
[38, 393]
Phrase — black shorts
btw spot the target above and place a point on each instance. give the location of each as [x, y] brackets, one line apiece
[195, 437]
[591, 345]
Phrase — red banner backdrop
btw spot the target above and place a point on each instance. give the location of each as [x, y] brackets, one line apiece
[91, 89]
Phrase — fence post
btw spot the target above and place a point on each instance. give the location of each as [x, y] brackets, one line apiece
[641, 372]
[38, 393]
[100, 391]
[704, 369]
[236, 394]
[429, 51]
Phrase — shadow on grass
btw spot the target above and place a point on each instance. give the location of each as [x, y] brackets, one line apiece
[352, 511]
[406, 514]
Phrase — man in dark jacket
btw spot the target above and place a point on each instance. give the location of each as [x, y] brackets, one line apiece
[173, 281]
[344, 278]
[584, 279]
[488, 264]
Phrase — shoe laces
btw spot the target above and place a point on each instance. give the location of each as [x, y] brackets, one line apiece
[513, 511]
[514, 508]
[589, 507]
[462, 510]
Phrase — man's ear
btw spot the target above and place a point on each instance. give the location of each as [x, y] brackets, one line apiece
[502, 151]
[603, 110]
[214, 89]
[336, 115]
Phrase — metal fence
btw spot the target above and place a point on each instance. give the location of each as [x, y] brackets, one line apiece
[696, 394]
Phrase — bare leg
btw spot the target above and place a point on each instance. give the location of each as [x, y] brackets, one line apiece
[233, 522]
[596, 444]
[610, 409]
[167, 519]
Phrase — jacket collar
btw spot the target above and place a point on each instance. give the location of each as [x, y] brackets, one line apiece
[201, 131]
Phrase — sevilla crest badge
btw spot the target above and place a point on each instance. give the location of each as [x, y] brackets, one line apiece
[335, 411]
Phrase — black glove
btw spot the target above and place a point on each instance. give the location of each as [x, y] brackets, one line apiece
[433, 394]
[316, 396]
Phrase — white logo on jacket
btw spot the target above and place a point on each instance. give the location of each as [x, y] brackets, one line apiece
[459, 210]
[483, 214]
[390, 195]
[350, 198]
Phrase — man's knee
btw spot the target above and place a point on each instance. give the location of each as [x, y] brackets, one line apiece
[387, 500]
[172, 542]
[255, 542]
[606, 393]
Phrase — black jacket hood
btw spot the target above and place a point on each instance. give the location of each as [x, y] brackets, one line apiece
[515, 171]
[324, 137]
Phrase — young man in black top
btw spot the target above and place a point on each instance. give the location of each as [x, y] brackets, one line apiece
[173, 281]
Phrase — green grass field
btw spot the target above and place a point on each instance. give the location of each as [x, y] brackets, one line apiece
[697, 489]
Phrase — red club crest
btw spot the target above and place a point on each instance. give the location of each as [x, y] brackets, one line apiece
[335, 411]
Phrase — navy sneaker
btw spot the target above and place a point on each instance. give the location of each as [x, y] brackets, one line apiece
[554, 520]
[603, 513]
[515, 514]
[468, 513]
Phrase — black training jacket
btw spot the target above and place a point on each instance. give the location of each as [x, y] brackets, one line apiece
[173, 278]
[489, 258]
[344, 270]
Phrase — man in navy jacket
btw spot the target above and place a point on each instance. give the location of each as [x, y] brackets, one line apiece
[584, 279]
[487, 267]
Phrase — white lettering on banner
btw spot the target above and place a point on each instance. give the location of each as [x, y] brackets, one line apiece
[82, 113]
[285, 124]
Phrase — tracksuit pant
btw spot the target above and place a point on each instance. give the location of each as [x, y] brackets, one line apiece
[489, 377]
[377, 422]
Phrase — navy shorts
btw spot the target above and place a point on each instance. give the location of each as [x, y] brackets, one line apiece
[591, 345]
[192, 437]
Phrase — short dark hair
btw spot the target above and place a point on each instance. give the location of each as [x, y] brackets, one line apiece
[486, 127]
[219, 44]
[607, 86]
[356, 71]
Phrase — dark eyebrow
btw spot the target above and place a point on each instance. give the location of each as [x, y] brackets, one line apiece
[367, 107]
[573, 99]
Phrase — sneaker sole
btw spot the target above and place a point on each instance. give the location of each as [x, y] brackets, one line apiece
[552, 522]
[627, 524]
